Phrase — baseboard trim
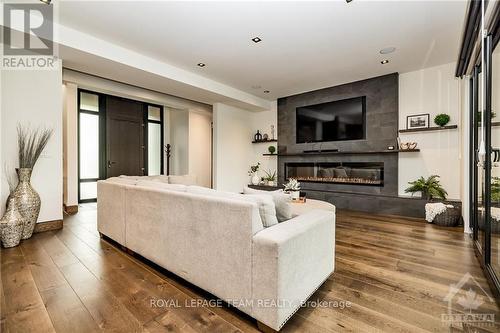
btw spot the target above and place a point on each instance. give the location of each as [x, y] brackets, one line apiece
[70, 209]
[48, 226]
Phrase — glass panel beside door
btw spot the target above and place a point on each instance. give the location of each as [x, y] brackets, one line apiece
[89, 138]
[495, 169]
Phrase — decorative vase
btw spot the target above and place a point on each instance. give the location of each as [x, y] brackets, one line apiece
[255, 179]
[258, 136]
[11, 224]
[28, 201]
[270, 183]
[295, 194]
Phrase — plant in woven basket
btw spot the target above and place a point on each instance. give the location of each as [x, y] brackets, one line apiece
[430, 188]
[442, 119]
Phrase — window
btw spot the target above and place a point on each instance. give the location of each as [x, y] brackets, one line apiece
[88, 139]
[155, 139]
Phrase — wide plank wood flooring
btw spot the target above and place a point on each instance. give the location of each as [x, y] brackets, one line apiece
[394, 271]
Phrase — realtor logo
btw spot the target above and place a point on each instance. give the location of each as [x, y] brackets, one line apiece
[28, 29]
[470, 304]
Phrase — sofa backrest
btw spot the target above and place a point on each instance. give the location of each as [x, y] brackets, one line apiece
[203, 239]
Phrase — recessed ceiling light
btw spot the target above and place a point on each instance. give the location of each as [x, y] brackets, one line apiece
[201, 64]
[256, 39]
[387, 50]
[383, 62]
[47, 2]
[266, 91]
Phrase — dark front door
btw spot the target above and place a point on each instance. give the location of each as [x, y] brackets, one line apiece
[124, 137]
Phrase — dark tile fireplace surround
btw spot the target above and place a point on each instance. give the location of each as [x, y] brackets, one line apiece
[362, 175]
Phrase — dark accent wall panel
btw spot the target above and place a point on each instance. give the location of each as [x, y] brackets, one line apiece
[381, 131]
[381, 114]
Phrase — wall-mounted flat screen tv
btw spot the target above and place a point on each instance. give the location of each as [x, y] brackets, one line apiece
[332, 121]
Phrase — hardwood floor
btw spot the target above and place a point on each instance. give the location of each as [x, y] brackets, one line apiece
[394, 271]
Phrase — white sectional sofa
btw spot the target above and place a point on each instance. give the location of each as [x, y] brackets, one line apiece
[219, 243]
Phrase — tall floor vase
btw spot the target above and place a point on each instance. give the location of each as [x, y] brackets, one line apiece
[11, 224]
[28, 201]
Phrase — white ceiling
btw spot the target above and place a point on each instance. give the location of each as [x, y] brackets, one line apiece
[305, 45]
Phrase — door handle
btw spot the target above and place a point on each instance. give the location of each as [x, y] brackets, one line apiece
[110, 163]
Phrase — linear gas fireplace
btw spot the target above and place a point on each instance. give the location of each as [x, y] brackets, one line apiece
[352, 173]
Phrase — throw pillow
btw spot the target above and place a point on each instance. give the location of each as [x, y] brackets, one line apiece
[281, 202]
[265, 203]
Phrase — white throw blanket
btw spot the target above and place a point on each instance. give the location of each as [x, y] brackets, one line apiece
[433, 209]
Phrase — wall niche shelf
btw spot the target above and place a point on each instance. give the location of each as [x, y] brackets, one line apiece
[427, 129]
[264, 141]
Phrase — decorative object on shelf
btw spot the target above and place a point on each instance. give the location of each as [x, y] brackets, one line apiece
[292, 187]
[270, 178]
[272, 133]
[255, 180]
[257, 136]
[442, 119]
[407, 145]
[31, 144]
[271, 149]
[417, 121]
[430, 188]
[265, 137]
[12, 222]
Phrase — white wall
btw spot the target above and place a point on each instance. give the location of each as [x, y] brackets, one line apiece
[34, 97]
[70, 142]
[179, 140]
[234, 152]
[431, 90]
[200, 147]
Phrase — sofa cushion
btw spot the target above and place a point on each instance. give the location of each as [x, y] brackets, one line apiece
[265, 203]
[281, 202]
[122, 180]
[184, 180]
[161, 185]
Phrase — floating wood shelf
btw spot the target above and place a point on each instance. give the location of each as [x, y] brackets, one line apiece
[352, 152]
[427, 129]
[270, 154]
[264, 141]
[496, 123]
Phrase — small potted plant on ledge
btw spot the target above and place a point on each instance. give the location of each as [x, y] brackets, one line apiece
[292, 187]
[442, 119]
[253, 173]
[270, 178]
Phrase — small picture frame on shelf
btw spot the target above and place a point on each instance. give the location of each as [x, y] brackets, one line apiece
[417, 121]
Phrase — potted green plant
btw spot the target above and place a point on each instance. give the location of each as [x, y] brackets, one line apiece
[253, 173]
[270, 178]
[271, 149]
[442, 119]
[430, 188]
[292, 187]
